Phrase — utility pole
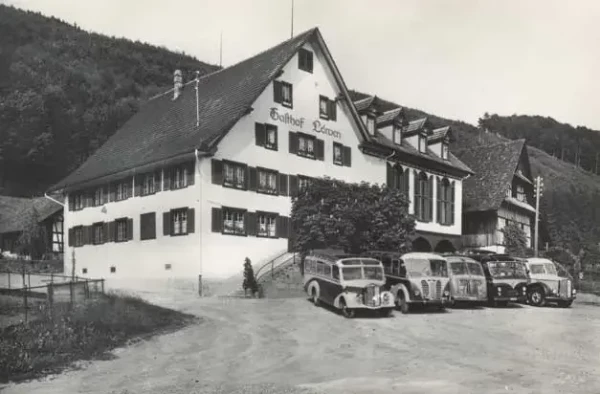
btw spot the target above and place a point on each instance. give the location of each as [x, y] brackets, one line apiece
[538, 192]
[292, 19]
[221, 51]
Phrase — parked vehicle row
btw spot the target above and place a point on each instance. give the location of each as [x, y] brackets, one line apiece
[383, 281]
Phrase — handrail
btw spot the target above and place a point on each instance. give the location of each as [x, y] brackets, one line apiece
[283, 262]
[268, 263]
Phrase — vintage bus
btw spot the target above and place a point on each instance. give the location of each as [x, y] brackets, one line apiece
[506, 277]
[415, 278]
[549, 283]
[348, 283]
[468, 284]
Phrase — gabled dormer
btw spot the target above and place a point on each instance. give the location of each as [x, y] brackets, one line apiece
[390, 124]
[370, 119]
[416, 134]
[439, 141]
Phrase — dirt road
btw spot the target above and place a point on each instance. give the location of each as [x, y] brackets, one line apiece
[291, 346]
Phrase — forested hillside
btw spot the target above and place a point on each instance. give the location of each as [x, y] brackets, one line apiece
[578, 145]
[64, 91]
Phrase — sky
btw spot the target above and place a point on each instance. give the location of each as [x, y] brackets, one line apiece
[452, 58]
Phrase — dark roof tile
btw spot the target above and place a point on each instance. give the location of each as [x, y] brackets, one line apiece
[13, 209]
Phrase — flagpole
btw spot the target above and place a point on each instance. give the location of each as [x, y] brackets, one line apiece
[292, 18]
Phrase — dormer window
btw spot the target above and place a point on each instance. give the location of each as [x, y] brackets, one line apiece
[397, 134]
[444, 151]
[305, 60]
[371, 124]
[422, 143]
[509, 191]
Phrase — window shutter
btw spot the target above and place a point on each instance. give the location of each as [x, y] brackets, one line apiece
[217, 220]
[252, 178]
[439, 200]
[452, 202]
[111, 232]
[246, 177]
[293, 142]
[191, 173]
[129, 229]
[332, 110]
[310, 61]
[406, 179]
[167, 223]
[89, 199]
[417, 193]
[283, 184]
[71, 237]
[157, 183]
[88, 232]
[105, 232]
[167, 179]
[260, 133]
[291, 94]
[112, 192]
[277, 93]
[137, 190]
[390, 175]
[251, 223]
[283, 227]
[71, 198]
[319, 149]
[104, 195]
[347, 156]
[217, 172]
[293, 179]
[191, 220]
[430, 195]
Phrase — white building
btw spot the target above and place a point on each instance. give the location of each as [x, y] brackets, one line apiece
[200, 178]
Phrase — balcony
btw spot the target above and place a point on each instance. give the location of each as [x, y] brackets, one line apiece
[481, 240]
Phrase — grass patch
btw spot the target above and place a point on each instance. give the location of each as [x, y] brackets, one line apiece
[62, 334]
[589, 286]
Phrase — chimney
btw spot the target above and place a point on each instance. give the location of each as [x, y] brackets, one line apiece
[178, 84]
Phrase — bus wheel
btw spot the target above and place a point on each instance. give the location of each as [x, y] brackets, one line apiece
[315, 297]
[536, 297]
[401, 303]
[347, 312]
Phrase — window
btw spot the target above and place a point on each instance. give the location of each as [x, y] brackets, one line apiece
[335, 272]
[121, 233]
[78, 234]
[305, 60]
[113, 269]
[122, 191]
[422, 144]
[397, 134]
[179, 219]
[303, 182]
[267, 223]
[337, 154]
[423, 197]
[98, 196]
[148, 226]
[521, 196]
[371, 124]
[283, 93]
[509, 191]
[444, 151]
[267, 181]
[57, 234]
[78, 201]
[233, 221]
[148, 184]
[98, 233]
[179, 178]
[445, 207]
[327, 108]
[234, 175]
[306, 146]
[84, 271]
[266, 135]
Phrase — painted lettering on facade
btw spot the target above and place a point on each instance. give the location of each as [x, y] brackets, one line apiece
[317, 126]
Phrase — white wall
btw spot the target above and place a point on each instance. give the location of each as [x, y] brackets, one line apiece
[137, 258]
[436, 148]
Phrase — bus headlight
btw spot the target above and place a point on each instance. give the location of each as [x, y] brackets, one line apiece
[499, 290]
[359, 298]
[417, 292]
[524, 290]
[385, 298]
[574, 291]
[446, 293]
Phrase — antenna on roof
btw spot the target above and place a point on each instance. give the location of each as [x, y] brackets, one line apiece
[292, 18]
[221, 51]
[197, 99]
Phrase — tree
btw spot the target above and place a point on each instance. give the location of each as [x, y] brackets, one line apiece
[32, 241]
[249, 279]
[350, 216]
[515, 240]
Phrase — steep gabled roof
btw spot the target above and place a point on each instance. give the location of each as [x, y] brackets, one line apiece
[415, 126]
[165, 128]
[14, 209]
[494, 167]
[364, 103]
[438, 134]
[388, 116]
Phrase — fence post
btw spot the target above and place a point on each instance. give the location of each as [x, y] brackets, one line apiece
[25, 303]
[71, 292]
[200, 285]
[29, 279]
[9, 279]
[52, 277]
[102, 286]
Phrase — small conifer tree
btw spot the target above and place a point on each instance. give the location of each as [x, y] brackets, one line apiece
[249, 279]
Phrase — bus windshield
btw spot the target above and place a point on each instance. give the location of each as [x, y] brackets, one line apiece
[458, 268]
[507, 269]
[357, 273]
[417, 267]
[475, 269]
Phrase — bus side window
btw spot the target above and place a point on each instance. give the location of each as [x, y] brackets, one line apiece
[387, 264]
[320, 268]
[336, 272]
[327, 270]
[395, 267]
[402, 269]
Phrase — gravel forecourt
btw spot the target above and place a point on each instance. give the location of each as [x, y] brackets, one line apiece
[291, 346]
